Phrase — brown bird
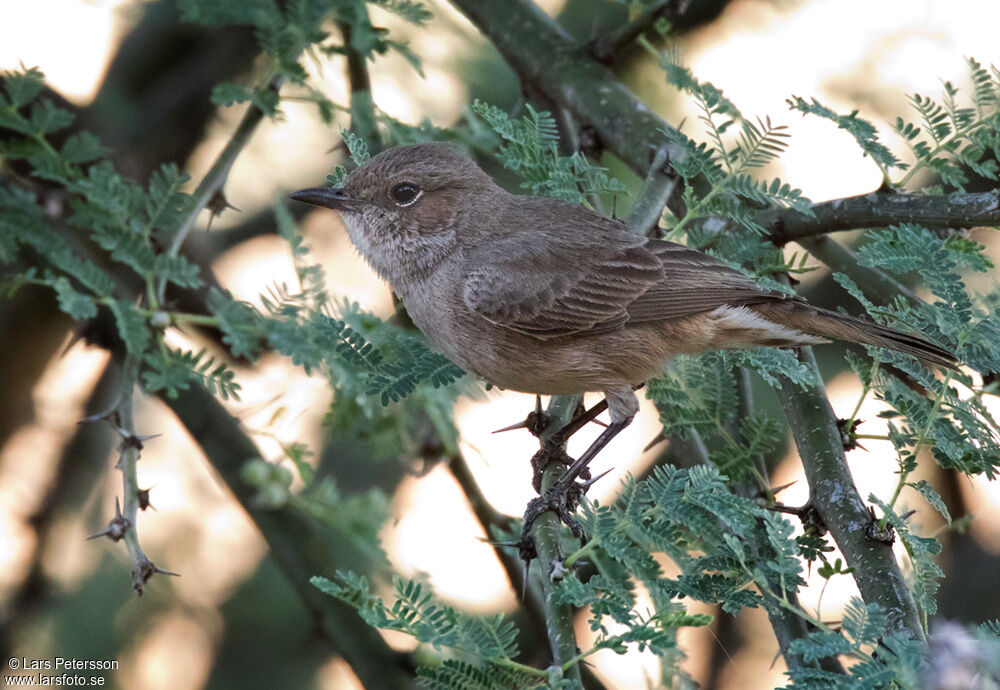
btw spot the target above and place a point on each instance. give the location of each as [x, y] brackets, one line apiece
[542, 296]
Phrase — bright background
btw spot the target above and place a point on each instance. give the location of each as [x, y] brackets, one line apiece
[849, 54]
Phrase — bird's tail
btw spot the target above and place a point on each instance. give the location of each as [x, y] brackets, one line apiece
[829, 324]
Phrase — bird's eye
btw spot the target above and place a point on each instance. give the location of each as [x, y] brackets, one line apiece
[405, 193]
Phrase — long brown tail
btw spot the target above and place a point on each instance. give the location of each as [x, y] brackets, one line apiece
[830, 324]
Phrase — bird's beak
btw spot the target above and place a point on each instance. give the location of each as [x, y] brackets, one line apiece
[327, 197]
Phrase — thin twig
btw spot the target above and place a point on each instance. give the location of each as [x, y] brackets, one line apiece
[362, 106]
[131, 445]
[215, 179]
[605, 48]
[661, 184]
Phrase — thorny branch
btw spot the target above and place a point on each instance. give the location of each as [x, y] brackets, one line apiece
[211, 185]
[882, 209]
[123, 525]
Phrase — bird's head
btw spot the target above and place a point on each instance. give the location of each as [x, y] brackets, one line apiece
[404, 208]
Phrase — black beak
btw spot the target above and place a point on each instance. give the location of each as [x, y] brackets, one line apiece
[327, 197]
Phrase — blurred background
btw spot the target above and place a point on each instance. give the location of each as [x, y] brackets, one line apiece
[140, 80]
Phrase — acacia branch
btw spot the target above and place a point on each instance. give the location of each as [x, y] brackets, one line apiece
[882, 209]
[215, 179]
[362, 106]
[834, 495]
[547, 532]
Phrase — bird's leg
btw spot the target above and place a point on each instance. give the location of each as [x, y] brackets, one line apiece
[554, 447]
[563, 496]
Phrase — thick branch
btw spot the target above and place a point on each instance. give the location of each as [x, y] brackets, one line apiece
[362, 107]
[881, 209]
[833, 493]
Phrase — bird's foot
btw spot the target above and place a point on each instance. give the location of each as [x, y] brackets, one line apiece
[561, 501]
[552, 451]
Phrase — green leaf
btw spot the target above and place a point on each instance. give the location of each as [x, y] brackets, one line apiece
[82, 147]
[76, 304]
[177, 270]
[357, 147]
[165, 202]
[932, 497]
[46, 118]
[131, 325]
[227, 94]
[863, 131]
[820, 644]
[22, 87]
[410, 10]
[530, 149]
[173, 371]
[242, 325]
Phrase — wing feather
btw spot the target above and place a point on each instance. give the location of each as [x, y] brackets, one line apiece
[596, 278]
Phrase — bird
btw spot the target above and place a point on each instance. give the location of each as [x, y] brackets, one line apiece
[544, 296]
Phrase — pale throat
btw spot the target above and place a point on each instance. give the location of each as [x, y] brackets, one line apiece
[399, 255]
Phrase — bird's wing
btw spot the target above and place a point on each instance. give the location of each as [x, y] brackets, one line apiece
[596, 280]
[695, 282]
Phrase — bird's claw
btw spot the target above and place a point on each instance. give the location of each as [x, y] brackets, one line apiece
[564, 504]
[545, 456]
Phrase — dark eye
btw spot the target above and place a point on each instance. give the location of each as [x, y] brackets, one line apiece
[405, 193]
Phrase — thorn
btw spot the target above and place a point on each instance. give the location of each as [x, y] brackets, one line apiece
[134, 440]
[590, 482]
[598, 422]
[535, 422]
[908, 514]
[658, 439]
[143, 496]
[778, 489]
[145, 569]
[524, 581]
[523, 424]
[526, 552]
[217, 203]
[116, 528]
